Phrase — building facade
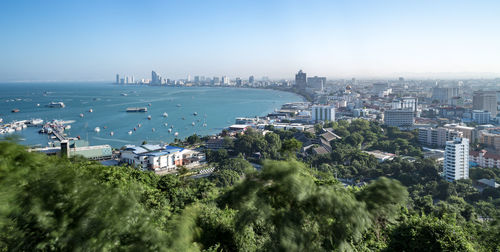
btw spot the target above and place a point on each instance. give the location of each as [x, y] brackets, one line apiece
[456, 159]
[403, 118]
[481, 116]
[437, 137]
[323, 113]
[483, 100]
[301, 80]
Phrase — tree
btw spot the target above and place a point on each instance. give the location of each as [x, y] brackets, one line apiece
[425, 233]
[193, 139]
[291, 145]
[224, 178]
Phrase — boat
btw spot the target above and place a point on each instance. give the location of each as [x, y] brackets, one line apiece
[38, 104]
[97, 129]
[192, 123]
[178, 105]
[36, 122]
[153, 129]
[171, 126]
[204, 125]
[135, 129]
[137, 109]
[81, 115]
[91, 110]
[123, 94]
[19, 128]
[111, 133]
[56, 105]
[165, 114]
[183, 118]
[1, 120]
[139, 125]
[67, 127]
[149, 117]
[105, 127]
[176, 133]
[130, 132]
[10, 130]
[169, 130]
[15, 110]
[166, 124]
[149, 104]
[195, 113]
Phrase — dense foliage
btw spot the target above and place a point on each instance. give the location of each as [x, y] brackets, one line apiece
[49, 203]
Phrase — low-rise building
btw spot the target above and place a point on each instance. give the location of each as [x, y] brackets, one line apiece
[484, 158]
[160, 159]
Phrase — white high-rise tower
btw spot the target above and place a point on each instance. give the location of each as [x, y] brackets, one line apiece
[456, 159]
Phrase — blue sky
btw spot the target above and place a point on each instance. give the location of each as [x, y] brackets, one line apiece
[93, 40]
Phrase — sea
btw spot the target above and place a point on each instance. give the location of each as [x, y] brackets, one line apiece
[191, 110]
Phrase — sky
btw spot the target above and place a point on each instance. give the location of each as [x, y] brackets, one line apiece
[93, 40]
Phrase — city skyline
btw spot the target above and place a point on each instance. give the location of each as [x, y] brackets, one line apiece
[72, 41]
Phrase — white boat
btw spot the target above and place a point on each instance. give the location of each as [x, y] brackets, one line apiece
[38, 104]
[37, 121]
[67, 127]
[81, 115]
[153, 129]
[10, 130]
[178, 105]
[56, 105]
[139, 125]
[192, 123]
[130, 132]
[171, 126]
[195, 113]
[111, 133]
[169, 130]
[97, 129]
[165, 114]
[24, 126]
[124, 94]
[176, 133]
[19, 128]
[91, 110]
[204, 125]
[1, 120]
[166, 124]
[149, 117]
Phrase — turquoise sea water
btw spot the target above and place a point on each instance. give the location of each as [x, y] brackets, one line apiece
[218, 107]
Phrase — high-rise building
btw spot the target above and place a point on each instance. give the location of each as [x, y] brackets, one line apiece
[444, 94]
[323, 113]
[225, 80]
[456, 159]
[127, 80]
[301, 80]
[132, 79]
[483, 100]
[155, 78]
[216, 81]
[403, 118]
[238, 81]
[188, 79]
[197, 79]
[117, 78]
[316, 83]
[251, 79]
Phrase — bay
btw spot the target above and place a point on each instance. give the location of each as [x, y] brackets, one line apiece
[215, 106]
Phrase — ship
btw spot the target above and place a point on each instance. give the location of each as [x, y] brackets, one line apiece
[137, 109]
[165, 114]
[56, 105]
[15, 110]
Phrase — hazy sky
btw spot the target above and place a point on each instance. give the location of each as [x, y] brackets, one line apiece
[94, 40]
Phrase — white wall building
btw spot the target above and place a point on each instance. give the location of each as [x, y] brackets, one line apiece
[456, 159]
[323, 113]
[403, 118]
[481, 116]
